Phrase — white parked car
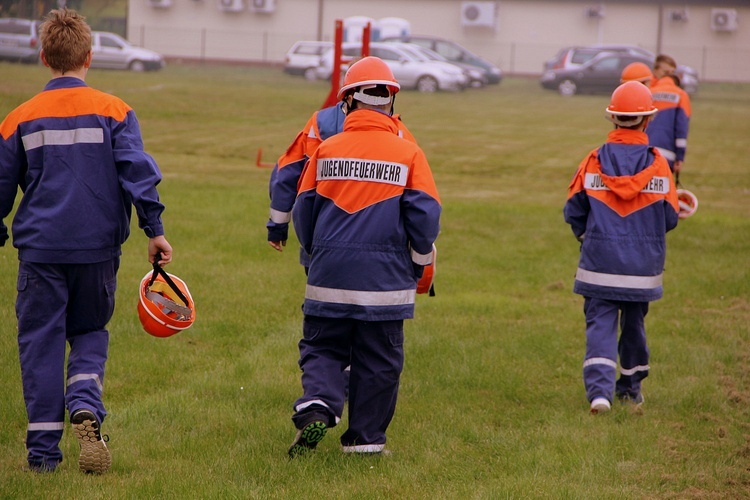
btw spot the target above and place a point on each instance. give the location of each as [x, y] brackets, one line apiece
[304, 57]
[19, 40]
[111, 51]
[477, 77]
[412, 70]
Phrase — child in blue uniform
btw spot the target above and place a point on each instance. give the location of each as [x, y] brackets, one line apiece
[621, 203]
[77, 155]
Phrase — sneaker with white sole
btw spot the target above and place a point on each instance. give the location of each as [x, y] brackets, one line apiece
[95, 457]
[308, 437]
[600, 405]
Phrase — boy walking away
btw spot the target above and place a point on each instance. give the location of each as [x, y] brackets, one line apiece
[368, 214]
[77, 155]
[621, 203]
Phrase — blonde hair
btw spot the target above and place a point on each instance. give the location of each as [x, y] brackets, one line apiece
[66, 40]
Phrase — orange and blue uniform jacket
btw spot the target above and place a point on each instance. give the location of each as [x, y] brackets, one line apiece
[668, 130]
[368, 213]
[75, 151]
[288, 169]
[621, 203]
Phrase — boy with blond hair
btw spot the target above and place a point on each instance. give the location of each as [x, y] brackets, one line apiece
[77, 155]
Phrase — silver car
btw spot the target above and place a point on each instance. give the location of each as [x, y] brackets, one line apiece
[412, 70]
[111, 51]
[19, 40]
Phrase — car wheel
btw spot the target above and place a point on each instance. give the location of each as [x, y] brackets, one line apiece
[567, 87]
[137, 66]
[310, 75]
[427, 84]
[476, 84]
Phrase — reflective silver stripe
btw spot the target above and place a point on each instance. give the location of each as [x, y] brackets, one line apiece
[363, 448]
[320, 402]
[86, 376]
[311, 134]
[680, 143]
[422, 259]
[63, 137]
[599, 361]
[46, 426]
[280, 217]
[669, 155]
[360, 298]
[631, 371]
[618, 280]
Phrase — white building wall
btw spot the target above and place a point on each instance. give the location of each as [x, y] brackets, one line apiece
[524, 35]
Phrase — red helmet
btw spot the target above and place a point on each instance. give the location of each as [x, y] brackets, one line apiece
[370, 71]
[688, 203]
[632, 99]
[165, 306]
[424, 285]
[637, 72]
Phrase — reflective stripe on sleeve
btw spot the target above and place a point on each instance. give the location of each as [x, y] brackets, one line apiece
[618, 280]
[680, 143]
[422, 259]
[63, 137]
[669, 155]
[280, 217]
[46, 426]
[360, 298]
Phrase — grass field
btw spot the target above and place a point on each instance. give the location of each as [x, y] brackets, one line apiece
[492, 403]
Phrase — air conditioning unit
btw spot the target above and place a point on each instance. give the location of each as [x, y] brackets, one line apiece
[263, 6]
[723, 19]
[478, 14]
[595, 12]
[159, 4]
[679, 16]
[231, 5]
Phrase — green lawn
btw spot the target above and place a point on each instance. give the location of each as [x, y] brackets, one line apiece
[492, 403]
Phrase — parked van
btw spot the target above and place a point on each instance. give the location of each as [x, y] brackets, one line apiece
[19, 40]
[304, 57]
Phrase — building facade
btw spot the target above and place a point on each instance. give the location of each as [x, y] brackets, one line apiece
[516, 35]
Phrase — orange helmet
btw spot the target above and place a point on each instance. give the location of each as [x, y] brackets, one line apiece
[631, 99]
[637, 72]
[159, 308]
[424, 285]
[369, 71]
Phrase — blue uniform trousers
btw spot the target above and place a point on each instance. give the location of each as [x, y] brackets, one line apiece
[376, 354]
[603, 348]
[59, 303]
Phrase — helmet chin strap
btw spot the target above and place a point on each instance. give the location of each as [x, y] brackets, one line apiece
[159, 271]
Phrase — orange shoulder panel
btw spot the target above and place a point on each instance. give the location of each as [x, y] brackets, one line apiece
[63, 103]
